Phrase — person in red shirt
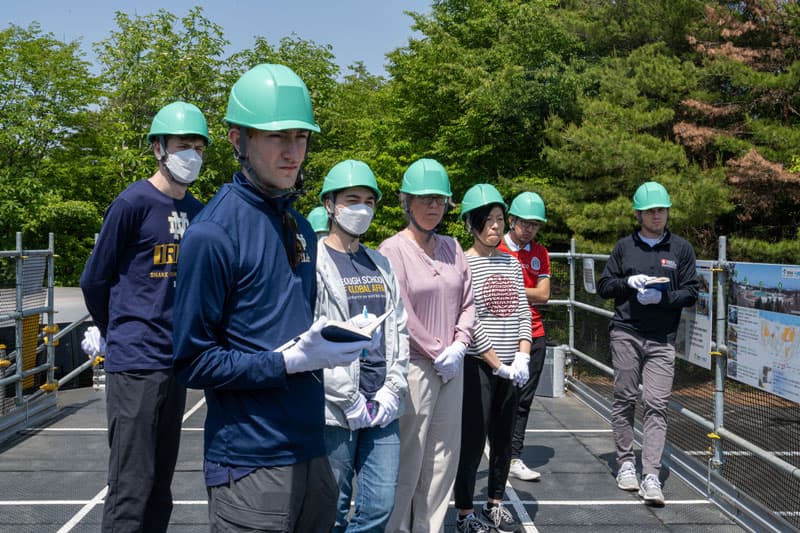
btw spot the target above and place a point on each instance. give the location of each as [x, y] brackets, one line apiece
[525, 216]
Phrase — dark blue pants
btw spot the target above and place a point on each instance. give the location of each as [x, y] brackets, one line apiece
[144, 410]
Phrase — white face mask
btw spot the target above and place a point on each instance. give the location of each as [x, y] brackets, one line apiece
[184, 165]
[354, 219]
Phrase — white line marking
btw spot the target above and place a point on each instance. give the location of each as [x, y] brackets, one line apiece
[605, 430]
[196, 406]
[86, 509]
[741, 453]
[81, 430]
[598, 503]
[12, 503]
[540, 503]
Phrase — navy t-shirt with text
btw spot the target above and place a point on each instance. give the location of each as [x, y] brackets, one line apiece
[364, 287]
[129, 280]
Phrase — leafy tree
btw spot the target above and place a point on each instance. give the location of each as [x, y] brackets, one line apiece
[745, 115]
[148, 62]
[47, 89]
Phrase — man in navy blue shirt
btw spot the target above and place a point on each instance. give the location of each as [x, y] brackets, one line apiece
[129, 288]
[246, 295]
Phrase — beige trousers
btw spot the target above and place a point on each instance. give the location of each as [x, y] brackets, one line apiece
[430, 442]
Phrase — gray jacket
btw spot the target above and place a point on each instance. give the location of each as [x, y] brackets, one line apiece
[341, 383]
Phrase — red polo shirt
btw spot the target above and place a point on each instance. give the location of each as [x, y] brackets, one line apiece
[535, 263]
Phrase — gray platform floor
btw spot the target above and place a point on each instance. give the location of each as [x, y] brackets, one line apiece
[52, 478]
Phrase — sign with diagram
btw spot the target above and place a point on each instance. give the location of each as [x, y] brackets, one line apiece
[693, 341]
[763, 336]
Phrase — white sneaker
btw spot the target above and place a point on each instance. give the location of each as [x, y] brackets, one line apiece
[520, 470]
[626, 477]
[651, 490]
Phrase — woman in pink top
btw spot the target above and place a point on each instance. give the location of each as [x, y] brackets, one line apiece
[436, 289]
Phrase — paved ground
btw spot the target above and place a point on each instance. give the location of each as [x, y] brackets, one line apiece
[52, 479]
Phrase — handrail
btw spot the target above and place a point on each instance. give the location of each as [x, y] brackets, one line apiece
[771, 458]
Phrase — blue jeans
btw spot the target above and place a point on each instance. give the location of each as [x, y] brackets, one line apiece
[373, 454]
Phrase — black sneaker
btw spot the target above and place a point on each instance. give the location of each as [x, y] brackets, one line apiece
[471, 524]
[500, 518]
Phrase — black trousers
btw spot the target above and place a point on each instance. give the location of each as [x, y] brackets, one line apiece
[144, 410]
[300, 498]
[526, 393]
[489, 408]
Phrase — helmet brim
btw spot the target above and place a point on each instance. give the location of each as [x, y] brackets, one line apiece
[281, 125]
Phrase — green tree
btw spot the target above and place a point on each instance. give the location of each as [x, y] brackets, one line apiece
[148, 62]
[47, 89]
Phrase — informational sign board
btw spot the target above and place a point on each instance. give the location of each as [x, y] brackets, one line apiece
[693, 342]
[763, 327]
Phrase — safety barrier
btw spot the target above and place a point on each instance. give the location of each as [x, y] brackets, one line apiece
[27, 383]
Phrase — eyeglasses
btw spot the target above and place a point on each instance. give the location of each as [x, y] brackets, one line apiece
[431, 199]
[294, 248]
[528, 224]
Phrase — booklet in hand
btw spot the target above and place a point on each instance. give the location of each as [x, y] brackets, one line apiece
[660, 283]
[338, 331]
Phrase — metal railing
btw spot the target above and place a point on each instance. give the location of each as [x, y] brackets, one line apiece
[29, 307]
[756, 511]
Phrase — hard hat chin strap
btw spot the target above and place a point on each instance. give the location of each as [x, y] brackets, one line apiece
[429, 232]
[162, 160]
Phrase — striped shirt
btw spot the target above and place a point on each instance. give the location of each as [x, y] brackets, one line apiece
[503, 317]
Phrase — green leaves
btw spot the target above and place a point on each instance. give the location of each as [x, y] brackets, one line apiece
[578, 100]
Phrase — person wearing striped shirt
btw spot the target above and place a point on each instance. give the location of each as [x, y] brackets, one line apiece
[496, 363]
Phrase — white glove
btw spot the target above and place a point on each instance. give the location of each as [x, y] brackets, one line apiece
[311, 351]
[505, 371]
[448, 363]
[520, 365]
[93, 344]
[649, 296]
[361, 321]
[637, 282]
[357, 414]
[388, 404]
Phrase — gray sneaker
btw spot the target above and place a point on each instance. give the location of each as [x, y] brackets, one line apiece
[651, 490]
[520, 470]
[626, 477]
[500, 519]
[471, 524]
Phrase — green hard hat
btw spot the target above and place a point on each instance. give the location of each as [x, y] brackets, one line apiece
[349, 173]
[478, 196]
[271, 97]
[426, 176]
[528, 206]
[179, 118]
[650, 195]
[318, 217]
